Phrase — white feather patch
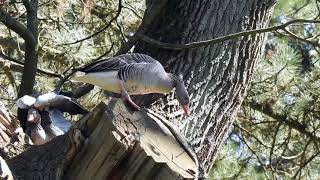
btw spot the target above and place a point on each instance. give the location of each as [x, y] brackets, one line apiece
[106, 80]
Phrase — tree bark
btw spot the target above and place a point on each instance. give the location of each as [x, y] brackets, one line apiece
[109, 143]
[217, 75]
[31, 49]
[31, 56]
[13, 140]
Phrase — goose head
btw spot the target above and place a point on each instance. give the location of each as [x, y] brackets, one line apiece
[182, 94]
[37, 134]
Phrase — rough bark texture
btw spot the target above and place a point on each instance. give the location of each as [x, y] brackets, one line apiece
[218, 75]
[13, 140]
[109, 143]
[31, 51]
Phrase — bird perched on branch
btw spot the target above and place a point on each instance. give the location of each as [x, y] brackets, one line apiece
[133, 74]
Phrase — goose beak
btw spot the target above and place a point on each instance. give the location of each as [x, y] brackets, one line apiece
[31, 118]
[186, 109]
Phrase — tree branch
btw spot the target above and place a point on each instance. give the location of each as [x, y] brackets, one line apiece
[101, 30]
[294, 36]
[170, 46]
[307, 162]
[18, 66]
[251, 134]
[153, 10]
[302, 128]
[17, 27]
[11, 43]
[31, 50]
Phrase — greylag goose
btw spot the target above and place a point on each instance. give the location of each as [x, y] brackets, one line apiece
[63, 103]
[133, 74]
[36, 132]
[41, 132]
[51, 129]
[50, 107]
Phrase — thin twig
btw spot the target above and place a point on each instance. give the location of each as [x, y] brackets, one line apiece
[257, 156]
[101, 30]
[107, 52]
[305, 164]
[290, 34]
[302, 128]
[41, 71]
[253, 136]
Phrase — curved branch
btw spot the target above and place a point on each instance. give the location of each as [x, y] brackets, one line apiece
[19, 67]
[17, 27]
[170, 46]
[153, 11]
[302, 128]
[294, 36]
[101, 30]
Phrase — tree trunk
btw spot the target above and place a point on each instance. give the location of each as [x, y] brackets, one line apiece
[31, 56]
[217, 75]
[31, 51]
[109, 143]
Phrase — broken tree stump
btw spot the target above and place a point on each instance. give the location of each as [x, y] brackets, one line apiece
[111, 142]
[13, 140]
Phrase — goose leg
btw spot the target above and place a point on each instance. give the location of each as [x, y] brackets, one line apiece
[126, 97]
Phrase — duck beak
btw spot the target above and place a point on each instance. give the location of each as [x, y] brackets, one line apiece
[186, 109]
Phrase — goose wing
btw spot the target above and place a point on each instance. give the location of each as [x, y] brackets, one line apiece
[118, 62]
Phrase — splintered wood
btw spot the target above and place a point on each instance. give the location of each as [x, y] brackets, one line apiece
[129, 145]
[13, 140]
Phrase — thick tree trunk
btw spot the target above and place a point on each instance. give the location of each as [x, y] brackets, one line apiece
[217, 75]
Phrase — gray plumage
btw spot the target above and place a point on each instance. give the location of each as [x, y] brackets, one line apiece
[52, 100]
[41, 131]
[132, 74]
[141, 73]
[63, 103]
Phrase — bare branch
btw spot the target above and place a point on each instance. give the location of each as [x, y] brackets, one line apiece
[257, 156]
[101, 30]
[106, 53]
[302, 128]
[198, 44]
[294, 36]
[150, 14]
[11, 43]
[306, 163]
[251, 134]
